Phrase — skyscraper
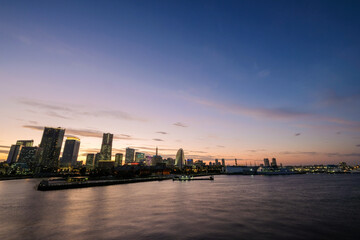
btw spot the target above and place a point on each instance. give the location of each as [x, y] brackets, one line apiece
[16, 149]
[106, 146]
[50, 146]
[216, 162]
[266, 162]
[139, 156]
[180, 158]
[28, 156]
[90, 161]
[118, 159]
[97, 159]
[71, 151]
[223, 162]
[129, 155]
[273, 162]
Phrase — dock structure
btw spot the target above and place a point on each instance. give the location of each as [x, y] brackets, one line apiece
[46, 185]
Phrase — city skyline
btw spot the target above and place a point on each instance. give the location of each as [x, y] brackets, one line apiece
[218, 84]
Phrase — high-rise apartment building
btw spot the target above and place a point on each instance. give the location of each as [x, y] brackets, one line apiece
[106, 146]
[16, 149]
[90, 161]
[118, 159]
[50, 147]
[129, 155]
[70, 153]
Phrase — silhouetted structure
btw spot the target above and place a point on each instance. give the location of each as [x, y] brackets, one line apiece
[16, 149]
[71, 151]
[50, 146]
[28, 156]
[266, 162]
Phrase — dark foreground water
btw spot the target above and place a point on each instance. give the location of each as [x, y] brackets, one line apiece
[231, 207]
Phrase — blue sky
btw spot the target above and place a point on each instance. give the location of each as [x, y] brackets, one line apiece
[249, 74]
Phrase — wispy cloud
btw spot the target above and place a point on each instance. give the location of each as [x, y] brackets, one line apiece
[220, 146]
[358, 145]
[68, 112]
[179, 124]
[297, 134]
[84, 132]
[160, 132]
[4, 151]
[275, 113]
[158, 139]
[3, 146]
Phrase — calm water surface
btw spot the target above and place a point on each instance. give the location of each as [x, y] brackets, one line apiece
[231, 207]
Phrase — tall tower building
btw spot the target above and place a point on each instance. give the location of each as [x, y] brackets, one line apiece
[71, 151]
[223, 162]
[129, 155]
[180, 158]
[118, 159]
[266, 162]
[16, 149]
[28, 156]
[273, 162]
[90, 161]
[106, 146]
[98, 157]
[50, 146]
[216, 162]
[13, 154]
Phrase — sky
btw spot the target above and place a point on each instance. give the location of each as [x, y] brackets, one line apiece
[220, 79]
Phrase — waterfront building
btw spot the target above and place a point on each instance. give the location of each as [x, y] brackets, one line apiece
[50, 147]
[266, 162]
[273, 162]
[129, 155]
[90, 161]
[98, 157]
[223, 162]
[25, 143]
[106, 164]
[169, 162]
[139, 156]
[28, 156]
[15, 150]
[118, 159]
[148, 160]
[106, 146]
[180, 158]
[217, 162]
[70, 153]
[190, 162]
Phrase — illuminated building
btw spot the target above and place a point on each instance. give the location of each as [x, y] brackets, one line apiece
[98, 157]
[169, 162]
[266, 162]
[16, 149]
[106, 164]
[28, 156]
[139, 156]
[118, 159]
[106, 146]
[71, 151]
[189, 162]
[25, 143]
[129, 155]
[50, 147]
[148, 160]
[90, 160]
[180, 158]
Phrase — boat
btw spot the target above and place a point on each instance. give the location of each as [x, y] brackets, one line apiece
[190, 178]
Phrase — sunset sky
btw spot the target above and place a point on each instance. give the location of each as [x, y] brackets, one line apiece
[220, 79]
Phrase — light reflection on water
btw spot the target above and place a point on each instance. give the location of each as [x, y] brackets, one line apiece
[231, 207]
